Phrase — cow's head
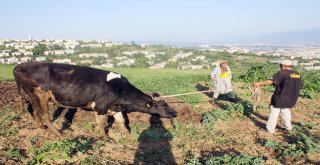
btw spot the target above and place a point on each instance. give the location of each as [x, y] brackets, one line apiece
[152, 106]
[131, 99]
[161, 108]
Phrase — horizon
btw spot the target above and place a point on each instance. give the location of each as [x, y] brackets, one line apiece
[165, 21]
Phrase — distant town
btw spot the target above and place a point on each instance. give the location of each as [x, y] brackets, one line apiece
[107, 54]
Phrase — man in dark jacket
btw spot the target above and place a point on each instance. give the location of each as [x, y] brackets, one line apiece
[285, 96]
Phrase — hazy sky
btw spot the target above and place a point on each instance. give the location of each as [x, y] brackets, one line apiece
[151, 20]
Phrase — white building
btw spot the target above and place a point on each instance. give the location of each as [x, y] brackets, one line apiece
[312, 68]
[199, 58]
[160, 53]
[65, 61]
[110, 44]
[69, 51]
[91, 45]
[121, 58]
[59, 52]
[183, 55]
[28, 53]
[127, 62]
[41, 58]
[107, 65]
[306, 64]
[48, 52]
[87, 55]
[158, 66]
[150, 56]
[4, 54]
[25, 59]
[16, 53]
[192, 67]
[12, 60]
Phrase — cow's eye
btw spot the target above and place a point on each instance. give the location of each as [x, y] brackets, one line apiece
[149, 104]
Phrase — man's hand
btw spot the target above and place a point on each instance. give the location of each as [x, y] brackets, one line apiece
[256, 84]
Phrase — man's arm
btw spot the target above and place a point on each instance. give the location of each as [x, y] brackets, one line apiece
[213, 74]
[262, 83]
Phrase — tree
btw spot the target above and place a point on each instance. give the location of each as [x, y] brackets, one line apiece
[39, 50]
[56, 47]
[172, 65]
[140, 61]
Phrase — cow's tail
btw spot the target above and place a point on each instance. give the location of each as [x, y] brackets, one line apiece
[18, 100]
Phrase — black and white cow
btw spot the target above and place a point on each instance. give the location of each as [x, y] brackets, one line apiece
[66, 85]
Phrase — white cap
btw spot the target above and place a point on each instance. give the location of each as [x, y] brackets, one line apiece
[286, 62]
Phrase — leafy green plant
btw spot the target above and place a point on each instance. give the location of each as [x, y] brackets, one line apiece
[271, 144]
[209, 118]
[310, 84]
[258, 73]
[300, 143]
[307, 93]
[90, 160]
[12, 117]
[182, 130]
[60, 150]
[234, 159]
[8, 131]
[268, 88]
[193, 161]
[98, 146]
[228, 158]
[233, 108]
[14, 153]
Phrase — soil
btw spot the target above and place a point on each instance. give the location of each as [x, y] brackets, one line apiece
[8, 93]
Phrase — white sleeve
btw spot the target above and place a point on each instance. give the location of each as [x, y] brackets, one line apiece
[214, 73]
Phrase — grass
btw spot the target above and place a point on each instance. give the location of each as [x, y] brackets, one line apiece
[6, 72]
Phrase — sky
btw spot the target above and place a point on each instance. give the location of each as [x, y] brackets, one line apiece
[150, 20]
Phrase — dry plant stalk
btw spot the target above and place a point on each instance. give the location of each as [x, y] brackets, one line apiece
[256, 96]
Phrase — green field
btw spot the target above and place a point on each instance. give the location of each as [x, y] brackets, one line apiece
[6, 72]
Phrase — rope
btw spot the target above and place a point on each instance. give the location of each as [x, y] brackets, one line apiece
[182, 94]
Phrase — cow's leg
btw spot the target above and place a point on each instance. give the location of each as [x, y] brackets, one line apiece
[44, 99]
[35, 104]
[20, 105]
[46, 117]
[101, 123]
[121, 122]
